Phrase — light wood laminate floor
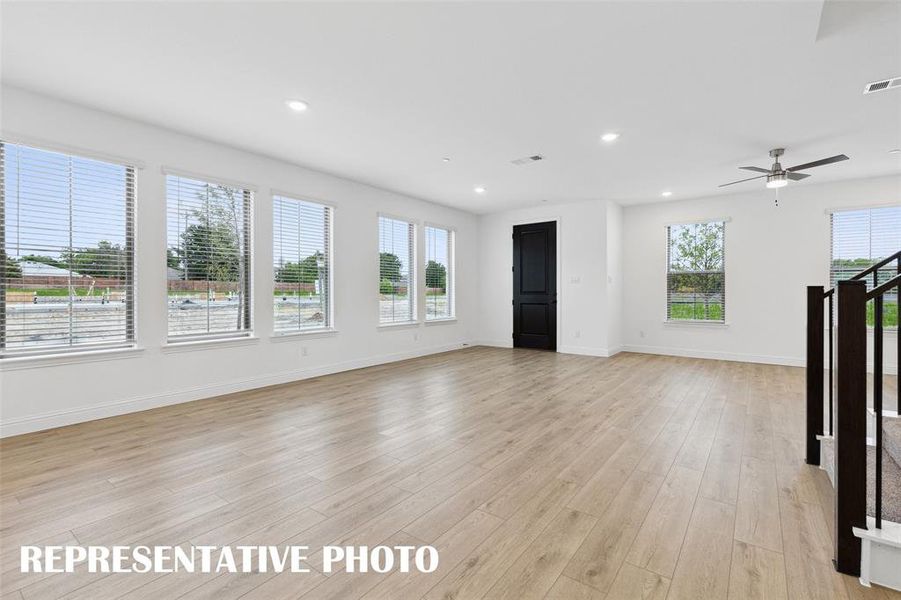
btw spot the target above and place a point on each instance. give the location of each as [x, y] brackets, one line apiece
[536, 475]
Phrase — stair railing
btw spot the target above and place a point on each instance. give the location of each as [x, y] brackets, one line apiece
[877, 295]
[847, 411]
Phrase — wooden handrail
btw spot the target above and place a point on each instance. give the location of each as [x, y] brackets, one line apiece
[882, 289]
[868, 270]
[877, 266]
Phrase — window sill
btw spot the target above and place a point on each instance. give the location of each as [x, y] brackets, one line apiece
[308, 334]
[401, 325]
[13, 363]
[190, 345]
[691, 323]
[441, 321]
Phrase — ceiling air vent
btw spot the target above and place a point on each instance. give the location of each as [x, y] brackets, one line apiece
[528, 159]
[881, 86]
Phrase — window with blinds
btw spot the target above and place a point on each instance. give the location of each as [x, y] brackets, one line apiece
[861, 238]
[397, 275]
[696, 272]
[66, 252]
[208, 259]
[439, 273]
[302, 264]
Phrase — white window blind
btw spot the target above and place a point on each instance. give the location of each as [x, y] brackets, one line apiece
[302, 263]
[696, 272]
[397, 274]
[208, 259]
[439, 273]
[861, 238]
[66, 252]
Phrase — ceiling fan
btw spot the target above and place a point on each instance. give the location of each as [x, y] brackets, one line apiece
[777, 177]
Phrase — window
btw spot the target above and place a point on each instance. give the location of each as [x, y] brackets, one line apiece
[695, 272]
[66, 252]
[208, 259]
[302, 262]
[439, 273]
[861, 238]
[397, 276]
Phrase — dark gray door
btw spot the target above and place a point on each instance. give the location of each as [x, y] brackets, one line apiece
[535, 286]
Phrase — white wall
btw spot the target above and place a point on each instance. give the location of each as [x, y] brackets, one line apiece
[611, 276]
[582, 285]
[36, 395]
[772, 253]
[615, 281]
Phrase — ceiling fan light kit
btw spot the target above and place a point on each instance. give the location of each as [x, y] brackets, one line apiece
[776, 181]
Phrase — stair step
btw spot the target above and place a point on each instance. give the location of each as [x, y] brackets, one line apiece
[891, 486]
[880, 554]
[891, 480]
[886, 413]
[889, 534]
[891, 438]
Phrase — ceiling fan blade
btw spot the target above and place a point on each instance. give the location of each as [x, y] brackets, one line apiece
[819, 163]
[797, 176]
[757, 169]
[743, 180]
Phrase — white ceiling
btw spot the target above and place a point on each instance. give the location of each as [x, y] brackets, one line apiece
[696, 89]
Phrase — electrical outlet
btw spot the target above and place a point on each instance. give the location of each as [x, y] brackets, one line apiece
[641, 333]
[303, 351]
[577, 334]
[416, 337]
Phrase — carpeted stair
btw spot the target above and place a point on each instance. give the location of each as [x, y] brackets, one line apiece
[891, 470]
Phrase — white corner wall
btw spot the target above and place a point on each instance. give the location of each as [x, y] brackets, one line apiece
[582, 275]
[772, 253]
[34, 395]
[615, 280]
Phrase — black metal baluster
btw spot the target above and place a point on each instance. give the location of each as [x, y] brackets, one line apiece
[831, 364]
[877, 400]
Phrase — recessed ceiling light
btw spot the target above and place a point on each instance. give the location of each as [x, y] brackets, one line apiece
[297, 105]
[666, 194]
[479, 189]
[895, 151]
[446, 159]
[609, 137]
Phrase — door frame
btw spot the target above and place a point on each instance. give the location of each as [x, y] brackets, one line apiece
[559, 272]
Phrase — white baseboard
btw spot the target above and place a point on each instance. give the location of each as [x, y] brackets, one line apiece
[581, 350]
[588, 351]
[714, 355]
[494, 343]
[29, 424]
[789, 361]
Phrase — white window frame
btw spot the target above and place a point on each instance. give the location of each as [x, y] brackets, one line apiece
[830, 213]
[201, 340]
[331, 326]
[413, 280]
[666, 304]
[451, 271]
[131, 321]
